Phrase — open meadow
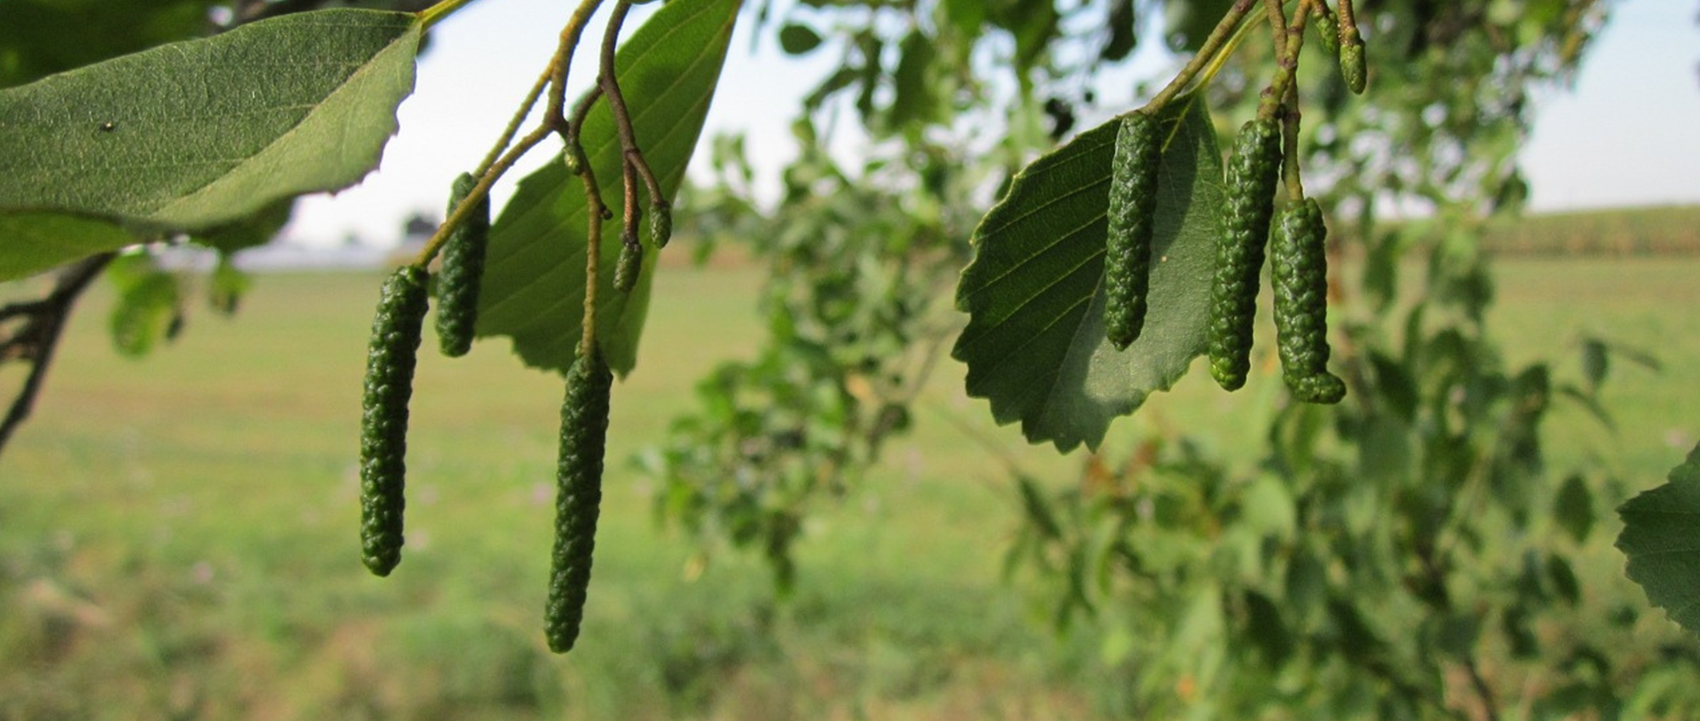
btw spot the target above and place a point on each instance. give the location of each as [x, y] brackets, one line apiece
[178, 534]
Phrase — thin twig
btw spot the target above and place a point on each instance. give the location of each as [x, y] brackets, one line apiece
[436, 13]
[479, 192]
[1212, 45]
[553, 122]
[43, 331]
[525, 107]
[1290, 117]
[1290, 113]
[1277, 26]
[629, 219]
[555, 116]
[12, 310]
[595, 212]
[1489, 705]
[610, 84]
[1288, 43]
[1348, 21]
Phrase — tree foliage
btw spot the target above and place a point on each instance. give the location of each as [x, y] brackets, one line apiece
[1409, 553]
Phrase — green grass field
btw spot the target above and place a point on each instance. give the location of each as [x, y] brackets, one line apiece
[1656, 230]
[178, 534]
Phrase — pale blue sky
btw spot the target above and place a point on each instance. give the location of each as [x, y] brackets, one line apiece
[1624, 135]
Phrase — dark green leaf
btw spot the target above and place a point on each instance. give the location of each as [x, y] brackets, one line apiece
[534, 276]
[1394, 385]
[914, 98]
[1456, 634]
[1038, 510]
[197, 134]
[1266, 629]
[1595, 363]
[1515, 624]
[1123, 33]
[31, 242]
[1637, 356]
[1189, 22]
[1563, 579]
[1035, 343]
[797, 39]
[1590, 402]
[1034, 25]
[1573, 509]
[255, 230]
[41, 37]
[1661, 538]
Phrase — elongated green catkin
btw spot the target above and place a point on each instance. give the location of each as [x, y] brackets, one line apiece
[1253, 172]
[660, 224]
[1352, 65]
[390, 360]
[629, 266]
[1132, 220]
[578, 496]
[1327, 28]
[1299, 268]
[463, 272]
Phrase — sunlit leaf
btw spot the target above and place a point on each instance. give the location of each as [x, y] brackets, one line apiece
[534, 278]
[1035, 344]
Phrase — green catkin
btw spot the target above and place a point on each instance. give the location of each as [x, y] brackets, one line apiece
[660, 224]
[1253, 172]
[463, 272]
[1327, 28]
[578, 495]
[1352, 65]
[629, 266]
[1299, 269]
[390, 360]
[1132, 220]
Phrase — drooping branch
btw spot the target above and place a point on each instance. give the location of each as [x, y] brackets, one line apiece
[38, 334]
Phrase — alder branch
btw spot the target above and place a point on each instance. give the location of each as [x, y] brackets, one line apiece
[38, 334]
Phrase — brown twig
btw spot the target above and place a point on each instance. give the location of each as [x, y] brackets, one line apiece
[39, 336]
[595, 212]
[1490, 706]
[610, 85]
[555, 116]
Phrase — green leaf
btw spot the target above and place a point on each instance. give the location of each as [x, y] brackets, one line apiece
[1595, 362]
[1189, 22]
[913, 99]
[149, 305]
[1035, 344]
[41, 37]
[1123, 30]
[33, 242]
[226, 285]
[255, 230]
[1573, 509]
[534, 275]
[1264, 627]
[1661, 538]
[198, 134]
[797, 39]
